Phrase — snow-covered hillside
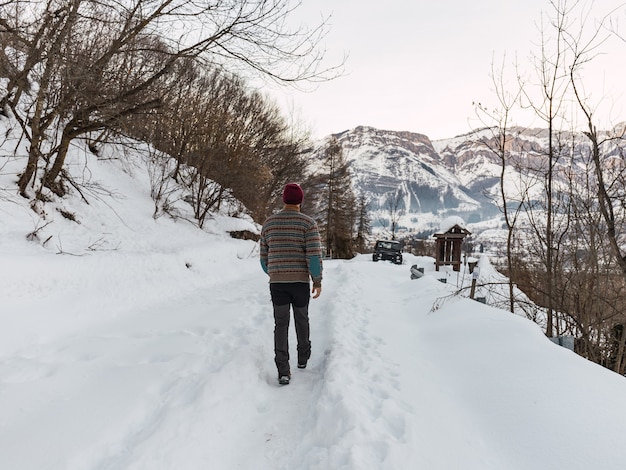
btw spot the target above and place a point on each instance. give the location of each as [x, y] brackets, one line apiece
[133, 343]
[385, 164]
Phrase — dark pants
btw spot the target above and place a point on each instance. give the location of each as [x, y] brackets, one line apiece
[284, 296]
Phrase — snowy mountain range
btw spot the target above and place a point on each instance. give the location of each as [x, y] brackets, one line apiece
[434, 179]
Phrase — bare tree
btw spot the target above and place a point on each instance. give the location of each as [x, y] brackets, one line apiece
[395, 209]
[582, 53]
[609, 176]
[498, 140]
[578, 225]
[551, 67]
[226, 136]
[592, 290]
[96, 62]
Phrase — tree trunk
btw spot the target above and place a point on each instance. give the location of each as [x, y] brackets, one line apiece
[31, 168]
[50, 178]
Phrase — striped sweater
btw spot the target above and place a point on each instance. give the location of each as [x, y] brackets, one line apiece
[291, 248]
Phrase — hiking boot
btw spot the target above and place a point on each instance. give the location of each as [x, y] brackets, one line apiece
[302, 365]
[284, 379]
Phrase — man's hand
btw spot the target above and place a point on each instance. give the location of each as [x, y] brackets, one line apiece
[316, 291]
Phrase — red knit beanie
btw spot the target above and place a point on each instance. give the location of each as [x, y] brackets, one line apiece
[293, 194]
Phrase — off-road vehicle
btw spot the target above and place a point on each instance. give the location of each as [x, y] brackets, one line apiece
[388, 250]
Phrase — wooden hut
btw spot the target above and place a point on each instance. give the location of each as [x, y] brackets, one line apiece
[449, 247]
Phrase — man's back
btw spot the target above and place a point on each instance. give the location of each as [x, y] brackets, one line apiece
[291, 247]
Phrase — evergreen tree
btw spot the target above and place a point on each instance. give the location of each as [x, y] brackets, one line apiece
[338, 203]
[363, 225]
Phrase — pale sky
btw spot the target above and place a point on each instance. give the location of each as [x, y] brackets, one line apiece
[418, 65]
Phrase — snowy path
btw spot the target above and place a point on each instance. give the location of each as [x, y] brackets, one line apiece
[191, 378]
[180, 375]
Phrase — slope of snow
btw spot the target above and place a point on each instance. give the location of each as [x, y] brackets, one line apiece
[134, 343]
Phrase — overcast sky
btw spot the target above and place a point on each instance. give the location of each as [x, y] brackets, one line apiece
[418, 65]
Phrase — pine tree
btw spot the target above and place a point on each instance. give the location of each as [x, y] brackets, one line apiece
[338, 203]
[363, 225]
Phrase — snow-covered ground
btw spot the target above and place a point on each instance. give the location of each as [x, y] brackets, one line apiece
[133, 343]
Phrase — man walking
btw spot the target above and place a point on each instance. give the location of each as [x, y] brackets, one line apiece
[291, 256]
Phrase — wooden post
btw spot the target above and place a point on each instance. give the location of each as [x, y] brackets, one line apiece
[474, 278]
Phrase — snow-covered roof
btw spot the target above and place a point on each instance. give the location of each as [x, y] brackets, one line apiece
[451, 221]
